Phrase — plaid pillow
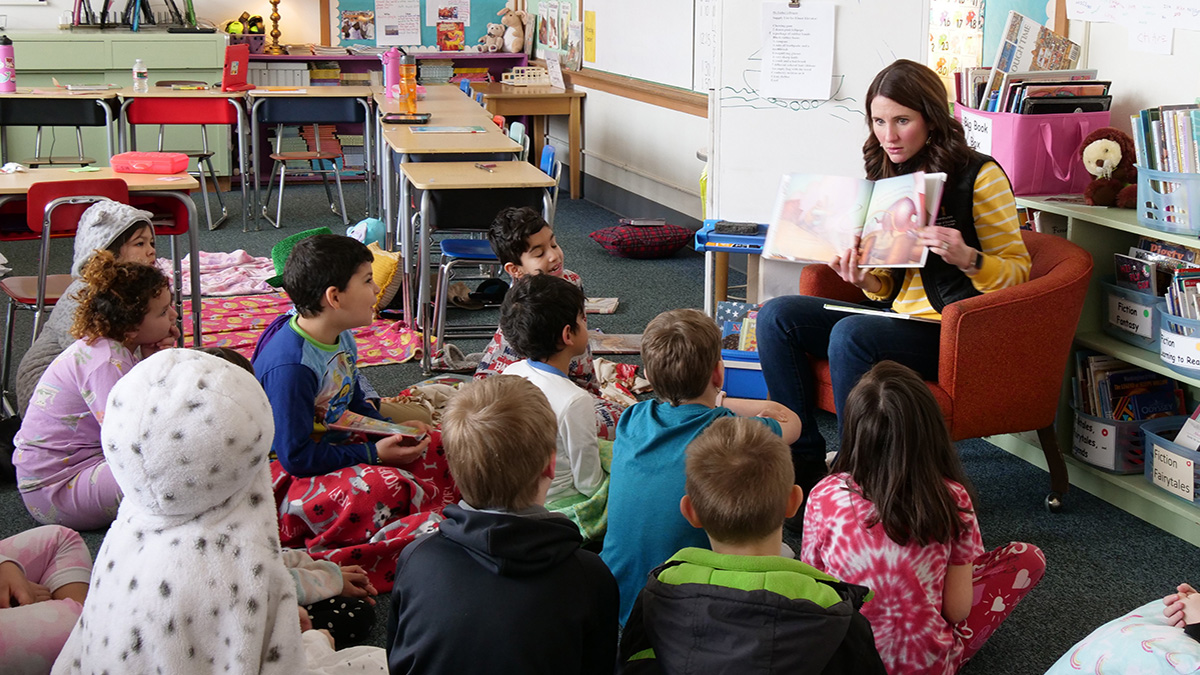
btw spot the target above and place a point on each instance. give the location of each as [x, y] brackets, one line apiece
[655, 241]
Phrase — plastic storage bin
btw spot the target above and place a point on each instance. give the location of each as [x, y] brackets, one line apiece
[150, 162]
[1169, 201]
[743, 374]
[1110, 445]
[1179, 342]
[1170, 466]
[1131, 316]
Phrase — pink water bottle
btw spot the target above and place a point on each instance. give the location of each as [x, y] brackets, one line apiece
[8, 66]
[391, 71]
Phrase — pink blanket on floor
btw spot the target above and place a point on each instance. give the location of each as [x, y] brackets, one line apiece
[223, 274]
[238, 321]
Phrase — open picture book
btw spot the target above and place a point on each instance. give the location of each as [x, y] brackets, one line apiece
[817, 218]
[354, 422]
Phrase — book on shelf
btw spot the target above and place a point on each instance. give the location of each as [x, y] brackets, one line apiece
[450, 36]
[1015, 86]
[356, 423]
[1026, 45]
[1167, 138]
[818, 218]
[1108, 387]
[1135, 274]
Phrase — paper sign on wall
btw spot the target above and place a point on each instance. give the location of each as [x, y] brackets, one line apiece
[397, 22]
[978, 130]
[1151, 38]
[1174, 473]
[1130, 316]
[589, 37]
[1095, 442]
[797, 50]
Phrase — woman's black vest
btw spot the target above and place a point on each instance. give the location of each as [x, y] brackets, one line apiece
[944, 283]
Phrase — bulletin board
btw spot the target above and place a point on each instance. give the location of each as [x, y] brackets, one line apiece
[483, 12]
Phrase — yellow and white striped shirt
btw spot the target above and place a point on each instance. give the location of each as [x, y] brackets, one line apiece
[1005, 259]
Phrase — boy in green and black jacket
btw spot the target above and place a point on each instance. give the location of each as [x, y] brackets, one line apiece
[742, 608]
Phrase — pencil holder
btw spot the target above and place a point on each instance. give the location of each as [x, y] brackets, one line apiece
[1179, 342]
[254, 42]
[1170, 466]
[1169, 202]
[1131, 316]
[1107, 444]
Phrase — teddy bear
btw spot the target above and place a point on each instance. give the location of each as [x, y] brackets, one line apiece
[1109, 155]
[513, 18]
[493, 40]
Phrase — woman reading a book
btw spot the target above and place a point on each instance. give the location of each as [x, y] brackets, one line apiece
[976, 248]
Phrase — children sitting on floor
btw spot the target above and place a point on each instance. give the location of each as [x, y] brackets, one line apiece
[125, 313]
[190, 578]
[896, 516]
[681, 352]
[542, 318]
[741, 607]
[503, 585]
[110, 226]
[525, 244]
[44, 576]
[342, 496]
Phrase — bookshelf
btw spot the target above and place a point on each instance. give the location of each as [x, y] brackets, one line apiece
[1103, 231]
[496, 62]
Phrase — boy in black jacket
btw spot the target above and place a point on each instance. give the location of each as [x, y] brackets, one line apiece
[741, 608]
[502, 586]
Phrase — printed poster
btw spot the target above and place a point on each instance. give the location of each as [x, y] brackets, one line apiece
[356, 27]
[437, 11]
[397, 22]
[955, 38]
[589, 37]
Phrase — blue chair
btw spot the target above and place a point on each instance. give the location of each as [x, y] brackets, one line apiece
[459, 253]
[516, 131]
[551, 167]
[465, 85]
[479, 97]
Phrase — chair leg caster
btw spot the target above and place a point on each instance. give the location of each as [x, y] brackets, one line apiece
[1054, 502]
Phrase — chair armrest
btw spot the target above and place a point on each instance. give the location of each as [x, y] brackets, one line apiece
[1014, 339]
[821, 281]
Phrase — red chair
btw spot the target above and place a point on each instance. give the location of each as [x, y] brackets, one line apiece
[22, 293]
[1002, 355]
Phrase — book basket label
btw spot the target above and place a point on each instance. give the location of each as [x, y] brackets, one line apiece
[1095, 442]
[1182, 351]
[1130, 316]
[1173, 473]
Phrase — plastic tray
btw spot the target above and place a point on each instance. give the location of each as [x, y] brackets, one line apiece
[1169, 466]
[1169, 202]
[150, 162]
[1131, 316]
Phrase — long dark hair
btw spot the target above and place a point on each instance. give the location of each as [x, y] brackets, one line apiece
[915, 86]
[896, 447]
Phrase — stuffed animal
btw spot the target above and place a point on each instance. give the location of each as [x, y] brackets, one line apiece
[493, 41]
[1109, 155]
[513, 18]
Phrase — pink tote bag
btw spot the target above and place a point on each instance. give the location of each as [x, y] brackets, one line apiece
[1040, 153]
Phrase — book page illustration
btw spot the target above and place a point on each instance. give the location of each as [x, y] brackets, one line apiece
[816, 217]
[894, 216]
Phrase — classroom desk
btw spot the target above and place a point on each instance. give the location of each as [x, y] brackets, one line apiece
[128, 137]
[437, 176]
[51, 106]
[507, 100]
[315, 94]
[14, 185]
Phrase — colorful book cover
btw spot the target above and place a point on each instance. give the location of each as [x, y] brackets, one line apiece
[352, 421]
[543, 27]
[1140, 394]
[1028, 45]
[551, 23]
[574, 60]
[748, 337]
[564, 18]
[450, 36]
[1136, 275]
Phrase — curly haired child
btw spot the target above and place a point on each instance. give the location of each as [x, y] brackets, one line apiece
[125, 313]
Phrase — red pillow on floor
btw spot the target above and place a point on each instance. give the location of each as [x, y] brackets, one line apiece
[654, 241]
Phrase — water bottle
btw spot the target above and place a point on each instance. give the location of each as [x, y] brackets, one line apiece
[141, 77]
[8, 66]
[408, 84]
[391, 72]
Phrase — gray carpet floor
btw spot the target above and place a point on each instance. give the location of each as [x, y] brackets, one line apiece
[1101, 562]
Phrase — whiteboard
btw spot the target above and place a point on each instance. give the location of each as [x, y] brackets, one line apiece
[754, 140]
[645, 39]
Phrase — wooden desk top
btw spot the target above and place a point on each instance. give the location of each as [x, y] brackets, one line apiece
[167, 92]
[500, 91]
[315, 91]
[18, 183]
[401, 138]
[465, 175]
[54, 92]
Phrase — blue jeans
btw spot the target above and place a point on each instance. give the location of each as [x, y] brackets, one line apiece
[792, 328]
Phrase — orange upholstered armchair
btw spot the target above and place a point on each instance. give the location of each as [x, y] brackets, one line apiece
[1002, 354]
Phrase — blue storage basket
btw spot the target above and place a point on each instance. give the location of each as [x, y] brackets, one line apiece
[1180, 330]
[1160, 441]
[1126, 313]
[1111, 445]
[1169, 202]
[743, 375]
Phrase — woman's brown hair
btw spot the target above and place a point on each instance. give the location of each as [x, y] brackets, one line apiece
[915, 86]
[116, 297]
[896, 447]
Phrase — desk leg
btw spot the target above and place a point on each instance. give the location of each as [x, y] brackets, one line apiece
[539, 138]
[721, 276]
[709, 306]
[367, 163]
[256, 159]
[241, 130]
[575, 133]
[422, 282]
[194, 257]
